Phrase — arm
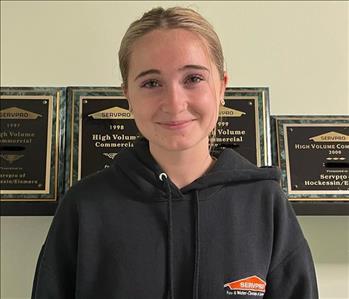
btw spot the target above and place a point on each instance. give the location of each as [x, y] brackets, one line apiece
[291, 274]
[294, 277]
[56, 268]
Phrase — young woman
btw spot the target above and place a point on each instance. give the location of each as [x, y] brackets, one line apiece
[168, 219]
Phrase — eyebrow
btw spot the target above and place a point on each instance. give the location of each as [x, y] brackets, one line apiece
[194, 66]
[155, 71]
[147, 72]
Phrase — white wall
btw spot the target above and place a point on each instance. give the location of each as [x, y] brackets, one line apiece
[298, 49]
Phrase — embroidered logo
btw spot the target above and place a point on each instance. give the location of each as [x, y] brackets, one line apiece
[249, 286]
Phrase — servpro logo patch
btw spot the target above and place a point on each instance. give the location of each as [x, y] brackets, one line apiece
[249, 286]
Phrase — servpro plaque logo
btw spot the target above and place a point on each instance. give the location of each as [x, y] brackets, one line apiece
[331, 137]
[112, 113]
[229, 112]
[18, 113]
[249, 286]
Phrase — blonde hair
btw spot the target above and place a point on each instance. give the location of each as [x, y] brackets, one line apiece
[171, 18]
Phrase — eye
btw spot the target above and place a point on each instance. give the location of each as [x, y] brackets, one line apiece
[150, 84]
[193, 79]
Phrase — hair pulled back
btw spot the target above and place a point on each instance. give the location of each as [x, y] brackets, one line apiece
[171, 18]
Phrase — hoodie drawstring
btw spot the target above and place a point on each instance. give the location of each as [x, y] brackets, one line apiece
[170, 285]
[197, 247]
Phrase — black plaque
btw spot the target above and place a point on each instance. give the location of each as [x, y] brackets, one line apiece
[101, 126]
[243, 124]
[30, 147]
[26, 125]
[313, 154]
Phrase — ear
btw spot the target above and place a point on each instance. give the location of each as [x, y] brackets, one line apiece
[224, 84]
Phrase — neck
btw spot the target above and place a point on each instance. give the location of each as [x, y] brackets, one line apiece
[183, 167]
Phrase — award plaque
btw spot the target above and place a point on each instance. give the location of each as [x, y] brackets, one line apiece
[31, 141]
[100, 126]
[243, 124]
[313, 154]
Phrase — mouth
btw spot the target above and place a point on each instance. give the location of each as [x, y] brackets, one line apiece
[175, 125]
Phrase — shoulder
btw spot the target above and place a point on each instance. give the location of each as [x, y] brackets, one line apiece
[92, 183]
[94, 187]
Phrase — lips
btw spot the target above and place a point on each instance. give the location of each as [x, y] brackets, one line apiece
[175, 125]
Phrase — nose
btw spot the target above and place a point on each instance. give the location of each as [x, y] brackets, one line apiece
[174, 100]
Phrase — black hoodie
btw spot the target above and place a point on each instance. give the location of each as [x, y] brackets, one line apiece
[128, 232]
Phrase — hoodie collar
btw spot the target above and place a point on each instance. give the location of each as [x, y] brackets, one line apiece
[141, 168]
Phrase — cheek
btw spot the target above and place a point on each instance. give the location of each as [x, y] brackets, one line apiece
[138, 104]
[144, 113]
[141, 118]
[210, 106]
[208, 109]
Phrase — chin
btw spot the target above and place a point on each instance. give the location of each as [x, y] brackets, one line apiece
[178, 144]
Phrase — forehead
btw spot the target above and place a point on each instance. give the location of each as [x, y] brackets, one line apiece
[169, 47]
[174, 34]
